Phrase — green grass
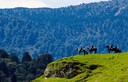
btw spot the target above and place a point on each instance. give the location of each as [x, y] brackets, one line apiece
[111, 68]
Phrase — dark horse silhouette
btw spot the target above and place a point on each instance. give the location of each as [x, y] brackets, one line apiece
[80, 50]
[91, 49]
[113, 49]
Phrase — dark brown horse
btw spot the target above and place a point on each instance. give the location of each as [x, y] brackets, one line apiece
[80, 50]
[85, 52]
[113, 49]
[92, 49]
[110, 48]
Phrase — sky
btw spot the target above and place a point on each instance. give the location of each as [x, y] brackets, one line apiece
[42, 3]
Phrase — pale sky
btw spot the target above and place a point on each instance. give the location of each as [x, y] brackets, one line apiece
[42, 3]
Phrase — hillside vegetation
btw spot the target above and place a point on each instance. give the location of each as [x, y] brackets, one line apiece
[90, 68]
[13, 69]
[60, 31]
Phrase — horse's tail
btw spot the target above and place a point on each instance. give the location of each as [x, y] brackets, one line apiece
[95, 50]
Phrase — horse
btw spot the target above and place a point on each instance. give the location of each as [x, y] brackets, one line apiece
[117, 50]
[82, 50]
[85, 52]
[110, 48]
[113, 49]
[91, 49]
[79, 50]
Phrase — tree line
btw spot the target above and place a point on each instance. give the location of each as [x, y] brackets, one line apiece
[13, 69]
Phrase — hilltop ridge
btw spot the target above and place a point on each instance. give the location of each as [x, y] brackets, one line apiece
[90, 68]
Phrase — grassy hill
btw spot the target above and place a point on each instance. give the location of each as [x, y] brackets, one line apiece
[90, 68]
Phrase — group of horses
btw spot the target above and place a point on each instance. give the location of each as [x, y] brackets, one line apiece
[92, 49]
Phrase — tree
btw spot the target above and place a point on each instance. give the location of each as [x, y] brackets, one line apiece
[4, 68]
[3, 54]
[14, 58]
[44, 59]
[13, 78]
[26, 57]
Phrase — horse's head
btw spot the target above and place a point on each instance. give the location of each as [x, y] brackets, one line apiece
[77, 49]
[106, 46]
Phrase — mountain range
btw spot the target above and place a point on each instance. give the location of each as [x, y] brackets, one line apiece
[59, 31]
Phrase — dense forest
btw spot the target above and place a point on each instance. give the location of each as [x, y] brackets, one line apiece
[60, 31]
[12, 69]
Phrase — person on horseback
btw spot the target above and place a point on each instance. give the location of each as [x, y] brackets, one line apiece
[81, 50]
[92, 49]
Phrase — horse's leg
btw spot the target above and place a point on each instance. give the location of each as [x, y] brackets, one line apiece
[91, 51]
[84, 52]
[79, 52]
[95, 51]
[109, 51]
[120, 51]
[116, 51]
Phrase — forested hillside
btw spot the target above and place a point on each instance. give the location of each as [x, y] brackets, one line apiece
[12, 69]
[60, 31]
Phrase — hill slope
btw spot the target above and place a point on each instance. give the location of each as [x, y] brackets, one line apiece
[60, 31]
[90, 68]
